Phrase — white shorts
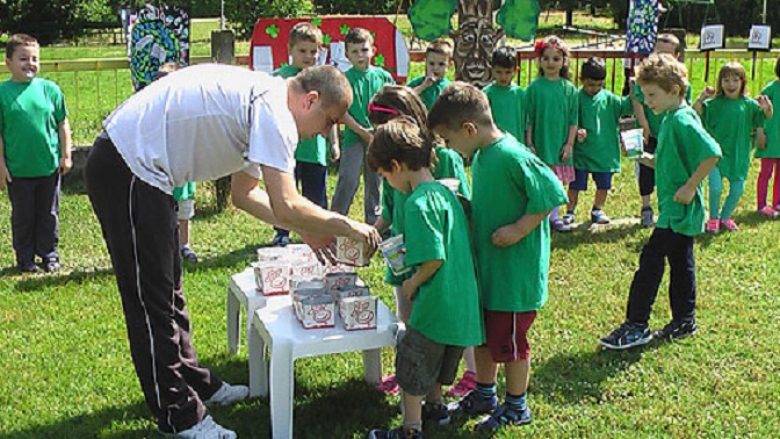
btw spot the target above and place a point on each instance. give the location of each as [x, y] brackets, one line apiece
[186, 210]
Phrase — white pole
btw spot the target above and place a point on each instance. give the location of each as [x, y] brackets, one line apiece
[222, 14]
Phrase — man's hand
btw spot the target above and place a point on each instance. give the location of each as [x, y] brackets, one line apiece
[324, 246]
[366, 234]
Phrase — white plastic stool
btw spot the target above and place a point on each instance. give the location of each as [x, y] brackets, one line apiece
[275, 327]
[242, 292]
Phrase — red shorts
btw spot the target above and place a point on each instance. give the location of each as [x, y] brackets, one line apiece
[507, 334]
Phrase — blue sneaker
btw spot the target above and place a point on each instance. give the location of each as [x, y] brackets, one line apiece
[396, 433]
[435, 413]
[628, 335]
[597, 216]
[503, 416]
[473, 404]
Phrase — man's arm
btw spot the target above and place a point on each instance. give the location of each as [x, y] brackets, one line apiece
[66, 162]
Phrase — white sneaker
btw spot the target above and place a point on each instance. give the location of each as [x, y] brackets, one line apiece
[206, 429]
[228, 394]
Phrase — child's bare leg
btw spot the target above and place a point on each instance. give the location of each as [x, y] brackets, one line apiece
[412, 410]
[469, 360]
[487, 369]
[601, 198]
[517, 376]
[574, 196]
[184, 233]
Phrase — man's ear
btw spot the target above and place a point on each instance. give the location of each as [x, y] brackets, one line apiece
[310, 99]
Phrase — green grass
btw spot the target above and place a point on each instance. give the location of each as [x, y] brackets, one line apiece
[67, 369]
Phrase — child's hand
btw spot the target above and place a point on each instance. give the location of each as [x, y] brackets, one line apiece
[764, 103]
[505, 236]
[707, 93]
[684, 195]
[566, 152]
[646, 135]
[408, 289]
[5, 176]
[760, 139]
[582, 133]
[65, 165]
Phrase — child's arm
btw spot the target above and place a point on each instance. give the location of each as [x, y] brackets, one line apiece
[707, 93]
[425, 271]
[766, 106]
[685, 194]
[65, 145]
[427, 82]
[760, 138]
[529, 138]
[511, 234]
[361, 131]
[381, 225]
[5, 176]
[335, 149]
[567, 147]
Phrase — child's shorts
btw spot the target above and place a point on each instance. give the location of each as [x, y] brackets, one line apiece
[507, 334]
[565, 173]
[186, 210]
[603, 180]
[421, 363]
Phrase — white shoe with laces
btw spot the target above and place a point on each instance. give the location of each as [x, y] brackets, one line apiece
[228, 394]
[205, 429]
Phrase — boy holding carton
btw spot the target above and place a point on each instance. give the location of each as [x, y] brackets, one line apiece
[34, 152]
[445, 316]
[513, 192]
[365, 80]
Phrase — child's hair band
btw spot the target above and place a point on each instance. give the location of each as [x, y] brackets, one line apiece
[381, 109]
[540, 45]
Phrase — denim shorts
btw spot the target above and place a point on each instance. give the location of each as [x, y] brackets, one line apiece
[603, 180]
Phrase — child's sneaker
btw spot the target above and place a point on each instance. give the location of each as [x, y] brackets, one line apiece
[188, 254]
[396, 433]
[435, 413]
[568, 218]
[228, 394]
[52, 265]
[473, 404]
[503, 416]
[647, 217]
[205, 429]
[280, 240]
[598, 216]
[713, 226]
[768, 212]
[559, 226]
[627, 336]
[675, 330]
[29, 268]
[389, 386]
[729, 225]
[466, 384]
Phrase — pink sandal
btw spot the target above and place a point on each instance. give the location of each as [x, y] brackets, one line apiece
[466, 384]
[389, 386]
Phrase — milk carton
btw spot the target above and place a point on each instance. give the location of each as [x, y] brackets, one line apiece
[272, 277]
[394, 251]
[351, 252]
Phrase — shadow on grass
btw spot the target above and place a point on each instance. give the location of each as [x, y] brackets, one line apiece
[745, 220]
[583, 236]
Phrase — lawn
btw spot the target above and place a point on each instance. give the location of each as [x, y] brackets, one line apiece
[68, 371]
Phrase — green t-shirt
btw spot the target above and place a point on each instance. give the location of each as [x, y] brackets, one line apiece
[772, 126]
[30, 116]
[315, 149]
[654, 120]
[446, 309]
[731, 123]
[508, 107]
[450, 165]
[509, 182]
[600, 116]
[428, 97]
[365, 84]
[184, 192]
[683, 144]
[552, 109]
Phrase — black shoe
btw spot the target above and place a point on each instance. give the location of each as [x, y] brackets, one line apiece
[675, 330]
[396, 433]
[29, 268]
[435, 413]
[280, 241]
[189, 255]
[473, 404]
[627, 336]
[502, 417]
[52, 266]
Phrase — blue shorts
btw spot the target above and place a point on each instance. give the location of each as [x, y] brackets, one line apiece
[603, 180]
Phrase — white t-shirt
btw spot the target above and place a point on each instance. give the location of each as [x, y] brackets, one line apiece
[204, 122]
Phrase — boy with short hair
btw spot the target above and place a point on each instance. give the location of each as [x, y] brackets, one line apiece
[35, 151]
[311, 155]
[365, 80]
[445, 316]
[438, 57]
[686, 154]
[513, 192]
[597, 151]
[506, 98]
[651, 124]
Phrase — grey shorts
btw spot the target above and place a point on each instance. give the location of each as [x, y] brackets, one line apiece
[421, 363]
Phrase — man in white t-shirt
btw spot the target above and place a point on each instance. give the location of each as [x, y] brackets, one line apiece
[201, 123]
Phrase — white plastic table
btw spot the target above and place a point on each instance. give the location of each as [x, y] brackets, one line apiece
[241, 293]
[274, 327]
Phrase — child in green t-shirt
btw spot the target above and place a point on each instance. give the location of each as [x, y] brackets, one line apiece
[513, 193]
[34, 152]
[311, 155]
[391, 102]
[686, 154]
[730, 117]
[507, 100]
[597, 151]
[552, 114]
[365, 80]
[445, 313]
[769, 152]
[438, 57]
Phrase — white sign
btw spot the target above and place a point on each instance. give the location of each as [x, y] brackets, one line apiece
[760, 37]
[711, 37]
